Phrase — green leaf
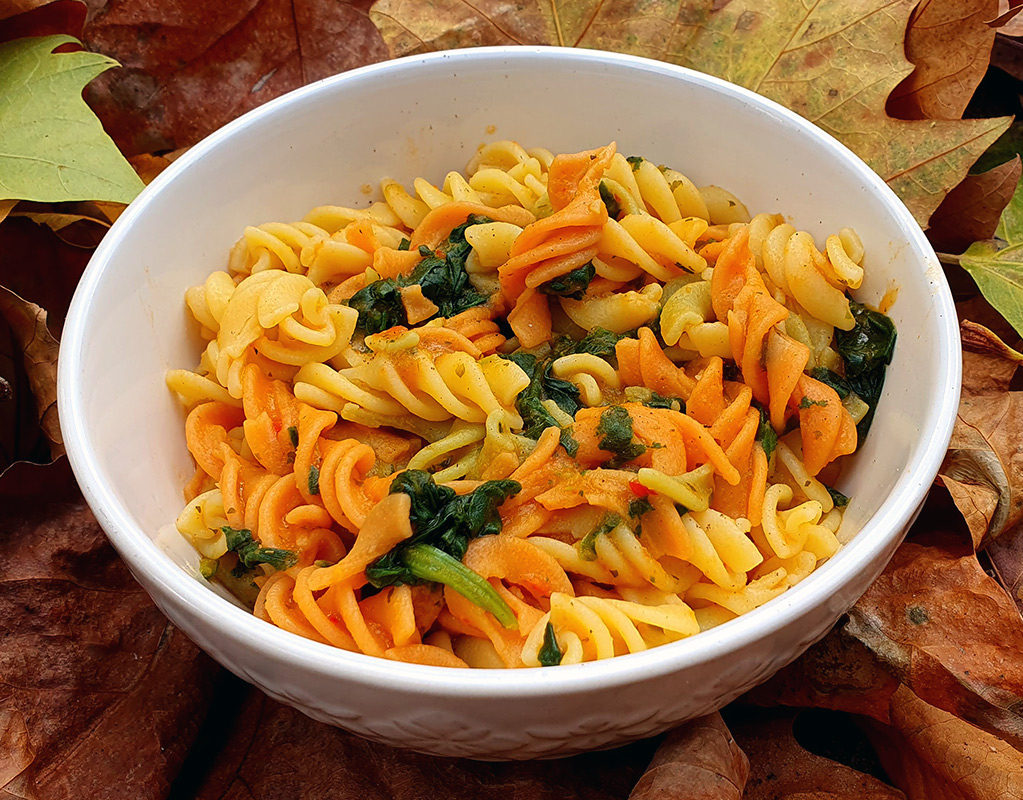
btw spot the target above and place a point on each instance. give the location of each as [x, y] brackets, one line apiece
[52, 147]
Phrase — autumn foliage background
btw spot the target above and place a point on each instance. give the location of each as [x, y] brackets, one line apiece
[916, 694]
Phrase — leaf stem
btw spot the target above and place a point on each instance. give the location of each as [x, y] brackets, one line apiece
[429, 563]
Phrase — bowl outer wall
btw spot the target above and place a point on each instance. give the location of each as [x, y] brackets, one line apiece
[439, 105]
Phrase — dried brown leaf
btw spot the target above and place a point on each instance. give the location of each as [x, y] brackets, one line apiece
[79, 230]
[834, 63]
[20, 18]
[189, 68]
[108, 693]
[39, 352]
[1008, 10]
[970, 212]
[780, 769]
[949, 632]
[932, 755]
[269, 751]
[949, 45]
[697, 761]
[983, 469]
[837, 673]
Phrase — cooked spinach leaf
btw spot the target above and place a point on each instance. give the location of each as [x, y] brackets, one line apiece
[614, 208]
[572, 284]
[379, 305]
[550, 653]
[766, 435]
[832, 379]
[599, 342]
[250, 554]
[441, 275]
[659, 401]
[867, 351]
[616, 427]
[544, 386]
[840, 500]
[441, 519]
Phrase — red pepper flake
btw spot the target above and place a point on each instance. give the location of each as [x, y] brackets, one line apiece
[639, 489]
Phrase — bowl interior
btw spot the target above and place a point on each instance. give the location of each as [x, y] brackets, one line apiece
[331, 143]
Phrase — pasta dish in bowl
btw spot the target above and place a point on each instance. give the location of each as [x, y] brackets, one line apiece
[571, 407]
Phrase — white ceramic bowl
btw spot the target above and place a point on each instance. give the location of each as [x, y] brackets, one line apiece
[424, 116]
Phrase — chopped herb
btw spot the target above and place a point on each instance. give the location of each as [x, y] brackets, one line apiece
[616, 426]
[634, 162]
[441, 519]
[293, 435]
[766, 435]
[918, 615]
[572, 285]
[404, 244]
[587, 547]
[614, 208]
[250, 554]
[314, 479]
[832, 379]
[867, 351]
[442, 278]
[322, 563]
[639, 506]
[550, 653]
[840, 500]
[806, 403]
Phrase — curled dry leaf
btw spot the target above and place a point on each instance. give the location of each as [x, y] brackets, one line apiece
[983, 469]
[189, 68]
[836, 64]
[269, 751]
[970, 212]
[933, 755]
[39, 353]
[837, 673]
[79, 230]
[102, 696]
[781, 768]
[950, 45]
[949, 632]
[697, 761]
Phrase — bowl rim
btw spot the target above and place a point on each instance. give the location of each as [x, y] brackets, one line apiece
[145, 558]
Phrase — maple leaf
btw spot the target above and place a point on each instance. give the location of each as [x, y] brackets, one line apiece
[54, 147]
[834, 63]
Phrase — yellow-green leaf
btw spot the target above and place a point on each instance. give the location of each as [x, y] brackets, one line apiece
[52, 147]
[997, 264]
[836, 63]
